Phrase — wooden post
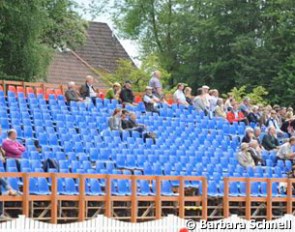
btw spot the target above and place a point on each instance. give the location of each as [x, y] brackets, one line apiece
[226, 198]
[248, 199]
[204, 199]
[54, 202]
[26, 182]
[133, 199]
[269, 200]
[158, 198]
[181, 198]
[289, 196]
[108, 194]
[81, 198]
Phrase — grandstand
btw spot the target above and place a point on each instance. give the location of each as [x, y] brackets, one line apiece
[191, 171]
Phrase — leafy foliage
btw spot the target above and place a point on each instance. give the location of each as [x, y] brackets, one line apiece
[257, 94]
[29, 32]
[222, 43]
[138, 76]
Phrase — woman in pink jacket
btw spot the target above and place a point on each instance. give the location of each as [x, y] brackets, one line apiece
[13, 149]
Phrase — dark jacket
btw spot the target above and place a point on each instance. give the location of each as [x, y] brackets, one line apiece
[72, 95]
[84, 91]
[270, 142]
[252, 118]
[127, 95]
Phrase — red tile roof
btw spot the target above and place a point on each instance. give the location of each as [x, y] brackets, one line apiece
[101, 51]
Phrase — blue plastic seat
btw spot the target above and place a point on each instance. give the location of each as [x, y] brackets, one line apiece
[70, 187]
[166, 189]
[94, 188]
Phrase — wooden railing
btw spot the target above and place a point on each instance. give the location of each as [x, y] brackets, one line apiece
[107, 198]
[134, 198]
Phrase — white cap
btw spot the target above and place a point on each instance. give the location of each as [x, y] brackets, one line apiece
[205, 87]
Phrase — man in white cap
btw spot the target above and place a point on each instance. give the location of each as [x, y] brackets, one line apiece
[205, 89]
[150, 100]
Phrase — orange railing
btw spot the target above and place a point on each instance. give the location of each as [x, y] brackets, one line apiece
[107, 198]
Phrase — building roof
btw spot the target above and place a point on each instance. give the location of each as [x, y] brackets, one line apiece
[101, 51]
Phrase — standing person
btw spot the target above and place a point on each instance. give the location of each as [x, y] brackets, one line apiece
[179, 96]
[245, 106]
[13, 149]
[150, 101]
[4, 185]
[285, 151]
[114, 92]
[156, 84]
[72, 94]
[206, 96]
[214, 96]
[188, 95]
[199, 102]
[87, 91]
[126, 95]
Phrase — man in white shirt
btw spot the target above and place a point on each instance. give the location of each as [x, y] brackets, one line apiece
[179, 96]
[205, 89]
[87, 91]
[285, 151]
[150, 100]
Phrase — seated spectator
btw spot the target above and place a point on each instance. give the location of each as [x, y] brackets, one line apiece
[150, 101]
[253, 116]
[289, 113]
[245, 106]
[114, 92]
[188, 95]
[13, 149]
[255, 152]
[126, 95]
[236, 115]
[179, 96]
[88, 92]
[270, 141]
[124, 120]
[281, 115]
[115, 122]
[219, 109]
[214, 96]
[199, 102]
[228, 105]
[244, 156]
[4, 185]
[272, 121]
[72, 94]
[285, 151]
[248, 136]
[142, 129]
[257, 134]
[289, 126]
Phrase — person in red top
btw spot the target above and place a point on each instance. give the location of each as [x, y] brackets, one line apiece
[235, 115]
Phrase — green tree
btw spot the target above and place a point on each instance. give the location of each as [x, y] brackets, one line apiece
[29, 32]
[221, 43]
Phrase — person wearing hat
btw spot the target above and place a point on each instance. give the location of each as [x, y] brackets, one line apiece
[114, 92]
[179, 96]
[150, 100]
[206, 97]
[126, 94]
[244, 156]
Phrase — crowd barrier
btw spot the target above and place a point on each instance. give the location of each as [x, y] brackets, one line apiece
[204, 205]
